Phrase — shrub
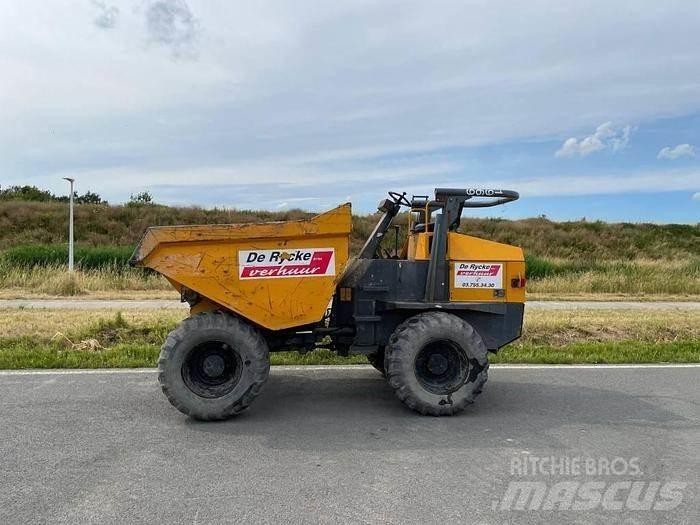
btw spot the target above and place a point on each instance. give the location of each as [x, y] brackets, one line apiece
[26, 193]
[68, 284]
[34, 194]
[539, 268]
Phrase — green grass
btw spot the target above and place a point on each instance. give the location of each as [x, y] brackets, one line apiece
[608, 352]
[86, 257]
[27, 353]
[320, 356]
[538, 268]
[68, 339]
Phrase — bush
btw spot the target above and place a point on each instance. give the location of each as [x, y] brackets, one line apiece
[538, 268]
[34, 194]
[26, 193]
[56, 254]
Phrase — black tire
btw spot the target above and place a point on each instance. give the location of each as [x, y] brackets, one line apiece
[436, 363]
[377, 361]
[213, 365]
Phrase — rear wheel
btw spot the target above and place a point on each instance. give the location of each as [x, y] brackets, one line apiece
[213, 365]
[436, 363]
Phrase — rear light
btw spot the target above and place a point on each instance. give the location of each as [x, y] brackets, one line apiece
[518, 282]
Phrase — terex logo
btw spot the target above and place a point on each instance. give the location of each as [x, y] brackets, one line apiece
[297, 262]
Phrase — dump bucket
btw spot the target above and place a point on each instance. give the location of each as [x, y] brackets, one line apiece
[275, 274]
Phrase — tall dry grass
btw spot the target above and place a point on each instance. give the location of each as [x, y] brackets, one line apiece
[675, 277]
[644, 277]
[55, 280]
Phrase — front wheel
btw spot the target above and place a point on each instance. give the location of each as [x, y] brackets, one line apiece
[213, 365]
[436, 363]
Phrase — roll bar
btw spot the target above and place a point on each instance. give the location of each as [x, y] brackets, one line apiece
[450, 200]
[498, 196]
[463, 195]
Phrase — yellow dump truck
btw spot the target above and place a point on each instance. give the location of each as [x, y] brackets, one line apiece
[426, 314]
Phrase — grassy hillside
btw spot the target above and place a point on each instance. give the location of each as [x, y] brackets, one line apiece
[563, 258]
[102, 225]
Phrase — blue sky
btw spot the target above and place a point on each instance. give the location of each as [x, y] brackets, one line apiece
[588, 110]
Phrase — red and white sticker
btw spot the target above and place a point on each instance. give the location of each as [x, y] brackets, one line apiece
[295, 262]
[478, 275]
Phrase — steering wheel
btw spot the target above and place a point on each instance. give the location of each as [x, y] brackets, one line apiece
[400, 198]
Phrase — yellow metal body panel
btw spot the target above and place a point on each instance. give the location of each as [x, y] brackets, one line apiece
[418, 247]
[277, 274]
[463, 249]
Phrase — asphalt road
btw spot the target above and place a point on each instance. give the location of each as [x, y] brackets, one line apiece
[333, 445]
[99, 304]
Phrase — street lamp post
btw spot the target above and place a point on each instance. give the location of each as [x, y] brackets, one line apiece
[70, 226]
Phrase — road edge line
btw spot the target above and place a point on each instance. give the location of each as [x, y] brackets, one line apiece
[306, 368]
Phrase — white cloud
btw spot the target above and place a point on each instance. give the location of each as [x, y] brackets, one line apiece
[606, 136]
[305, 187]
[653, 181]
[682, 150]
[171, 23]
[696, 196]
[266, 176]
[107, 16]
[335, 88]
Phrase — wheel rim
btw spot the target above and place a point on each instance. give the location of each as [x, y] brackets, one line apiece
[212, 369]
[441, 367]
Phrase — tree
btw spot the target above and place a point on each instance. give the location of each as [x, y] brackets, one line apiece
[34, 194]
[90, 197]
[26, 193]
[141, 198]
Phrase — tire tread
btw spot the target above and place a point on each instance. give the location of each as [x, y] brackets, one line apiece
[221, 321]
[400, 348]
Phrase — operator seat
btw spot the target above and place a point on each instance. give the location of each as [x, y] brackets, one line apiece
[419, 227]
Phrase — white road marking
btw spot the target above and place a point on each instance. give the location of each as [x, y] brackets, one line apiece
[76, 371]
[595, 366]
[306, 368]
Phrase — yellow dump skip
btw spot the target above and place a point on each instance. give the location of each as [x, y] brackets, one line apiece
[275, 274]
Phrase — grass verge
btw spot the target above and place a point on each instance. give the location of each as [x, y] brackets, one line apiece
[105, 339]
[27, 354]
[602, 353]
